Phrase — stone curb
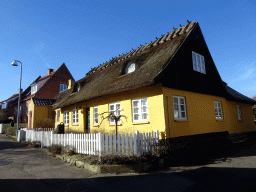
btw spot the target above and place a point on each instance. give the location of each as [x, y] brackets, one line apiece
[144, 167]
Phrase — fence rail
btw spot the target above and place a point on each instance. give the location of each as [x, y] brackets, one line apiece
[97, 143]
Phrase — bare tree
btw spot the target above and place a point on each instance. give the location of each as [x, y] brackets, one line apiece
[112, 116]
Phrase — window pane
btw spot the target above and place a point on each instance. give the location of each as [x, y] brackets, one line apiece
[143, 102]
[144, 116]
[144, 109]
[175, 107]
[181, 101]
[198, 58]
[183, 114]
[202, 59]
[117, 106]
[135, 110]
[176, 114]
[95, 110]
[111, 107]
[193, 55]
[136, 117]
[135, 103]
[96, 121]
[175, 100]
[194, 61]
[182, 107]
[194, 67]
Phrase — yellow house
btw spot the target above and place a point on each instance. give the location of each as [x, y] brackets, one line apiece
[171, 85]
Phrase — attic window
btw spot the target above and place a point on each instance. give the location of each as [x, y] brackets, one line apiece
[78, 87]
[130, 68]
[33, 89]
[63, 87]
[198, 62]
[4, 105]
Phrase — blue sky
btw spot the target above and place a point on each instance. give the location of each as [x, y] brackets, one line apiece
[86, 33]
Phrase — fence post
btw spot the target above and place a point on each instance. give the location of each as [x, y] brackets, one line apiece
[52, 132]
[157, 136]
[136, 143]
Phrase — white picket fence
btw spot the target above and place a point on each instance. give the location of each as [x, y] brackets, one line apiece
[97, 143]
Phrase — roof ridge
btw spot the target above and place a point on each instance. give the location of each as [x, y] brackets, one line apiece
[164, 38]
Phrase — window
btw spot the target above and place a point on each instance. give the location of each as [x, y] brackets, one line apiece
[218, 111]
[33, 89]
[75, 116]
[131, 68]
[115, 108]
[198, 62]
[66, 117]
[239, 113]
[4, 105]
[179, 108]
[63, 87]
[58, 115]
[95, 115]
[140, 109]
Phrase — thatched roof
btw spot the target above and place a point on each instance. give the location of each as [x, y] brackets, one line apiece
[150, 59]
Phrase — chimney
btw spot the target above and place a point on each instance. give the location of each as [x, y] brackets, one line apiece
[49, 71]
[71, 82]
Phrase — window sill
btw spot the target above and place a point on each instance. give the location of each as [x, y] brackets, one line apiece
[141, 122]
[241, 120]
[96, 125]
[180, 120]
[219, 119]
[77, 124]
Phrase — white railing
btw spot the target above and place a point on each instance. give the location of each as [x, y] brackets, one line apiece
[97, 143]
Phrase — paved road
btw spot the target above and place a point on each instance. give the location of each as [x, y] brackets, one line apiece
[28, 169]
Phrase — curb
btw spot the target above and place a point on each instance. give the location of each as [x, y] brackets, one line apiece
[137, 168]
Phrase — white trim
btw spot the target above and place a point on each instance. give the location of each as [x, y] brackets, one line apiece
[218, 110]
[137, 109]
[66, 117]
[179, 108]
[95, 113]
[32, 90]
[115, 112]
[239, 112]
[75, 119]
[198, 62]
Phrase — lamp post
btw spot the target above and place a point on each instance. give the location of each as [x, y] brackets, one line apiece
[15, 63]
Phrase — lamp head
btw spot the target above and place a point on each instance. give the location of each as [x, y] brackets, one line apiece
[14, 63]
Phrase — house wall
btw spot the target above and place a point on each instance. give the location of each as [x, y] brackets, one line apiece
[31, 108]
[41, 112]
[155, 111]
[201, 115]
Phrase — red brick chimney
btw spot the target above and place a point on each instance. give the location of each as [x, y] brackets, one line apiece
[49, 71]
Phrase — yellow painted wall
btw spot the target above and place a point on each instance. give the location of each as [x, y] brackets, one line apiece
[38, 112]
[201, 115]
[155, 111]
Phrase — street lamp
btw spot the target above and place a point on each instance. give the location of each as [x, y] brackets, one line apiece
[15, 63]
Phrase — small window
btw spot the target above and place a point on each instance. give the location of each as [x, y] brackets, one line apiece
[179, 108]
[66, 117]
[130, 68]
[198, 62]
[95, 115]
[115, 108]
[140, 109]
[63, 87]
[75, 116]
[4, 105]
[58, 115]
[33, 89]
[218, 110]
[239, 113]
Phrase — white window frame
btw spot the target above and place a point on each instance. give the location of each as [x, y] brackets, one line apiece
[63, 86]
[95, 116]
[66, 117]
[139, 108]
[33, 87]
[115, 112]
[177, 108]
[4, 105]
[198, 62]
[75, 119]
[131, 68]
[218, 110]
[239, 112]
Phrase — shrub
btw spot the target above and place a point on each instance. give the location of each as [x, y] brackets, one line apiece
[44, 123]
[68, 150]
[55, 149]
[11, 131]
